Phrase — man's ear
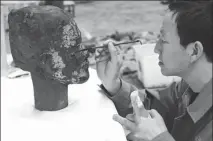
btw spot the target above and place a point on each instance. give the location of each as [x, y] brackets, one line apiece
[195, 51]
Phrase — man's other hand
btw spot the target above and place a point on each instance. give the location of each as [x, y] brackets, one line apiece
[143, 124]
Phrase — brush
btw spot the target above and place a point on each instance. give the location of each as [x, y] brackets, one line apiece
[92, 49]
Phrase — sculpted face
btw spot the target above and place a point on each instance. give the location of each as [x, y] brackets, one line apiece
[43, 42]
[58, 62]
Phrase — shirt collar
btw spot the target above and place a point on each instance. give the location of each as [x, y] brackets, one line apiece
[202, 103]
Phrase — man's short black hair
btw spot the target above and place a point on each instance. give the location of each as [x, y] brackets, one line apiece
[194, 23]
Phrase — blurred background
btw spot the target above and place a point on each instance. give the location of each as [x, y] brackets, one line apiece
[98, 21]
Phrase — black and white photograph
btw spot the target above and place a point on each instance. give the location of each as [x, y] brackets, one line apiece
[106, 70]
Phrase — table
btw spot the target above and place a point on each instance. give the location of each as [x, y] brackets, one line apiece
[87, 118]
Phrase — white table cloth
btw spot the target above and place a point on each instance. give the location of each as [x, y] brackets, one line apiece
[87, 118]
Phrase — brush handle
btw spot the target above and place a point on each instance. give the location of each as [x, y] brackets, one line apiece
[107, 45]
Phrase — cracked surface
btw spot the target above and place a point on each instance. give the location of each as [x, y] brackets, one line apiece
[42, 39]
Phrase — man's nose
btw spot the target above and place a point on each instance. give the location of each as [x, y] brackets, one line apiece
[157, 48]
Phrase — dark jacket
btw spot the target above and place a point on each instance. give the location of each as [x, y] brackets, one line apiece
[195, 124]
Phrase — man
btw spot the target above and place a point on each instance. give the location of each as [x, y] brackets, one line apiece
[185, 50]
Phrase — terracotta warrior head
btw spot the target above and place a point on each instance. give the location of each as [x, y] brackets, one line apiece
[42, 40]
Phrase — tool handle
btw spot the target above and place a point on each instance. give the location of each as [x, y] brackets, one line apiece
[104, 46]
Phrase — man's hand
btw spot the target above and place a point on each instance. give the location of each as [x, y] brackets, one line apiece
[141, 127]
[108, 64]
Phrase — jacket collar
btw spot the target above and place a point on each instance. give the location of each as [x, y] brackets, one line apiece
[202, 103]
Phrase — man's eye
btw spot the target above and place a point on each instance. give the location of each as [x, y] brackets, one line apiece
[162, 41]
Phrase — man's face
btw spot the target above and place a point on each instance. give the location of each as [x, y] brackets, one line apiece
[173, 58]
[61, 65]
